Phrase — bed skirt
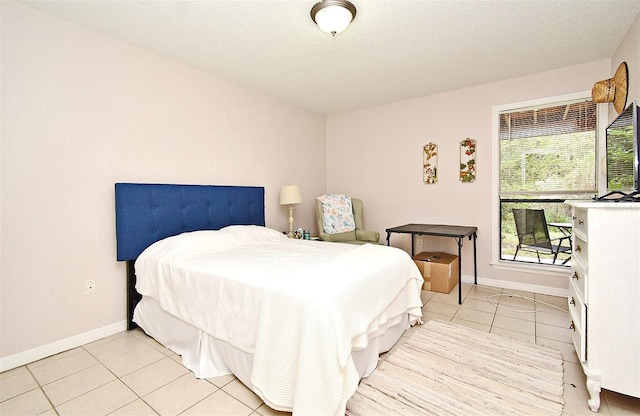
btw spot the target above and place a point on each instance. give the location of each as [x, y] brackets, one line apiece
[207, 356]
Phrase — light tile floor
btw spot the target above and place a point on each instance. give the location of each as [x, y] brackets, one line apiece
[131, 374]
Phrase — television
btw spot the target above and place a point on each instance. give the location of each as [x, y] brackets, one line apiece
[622, 154]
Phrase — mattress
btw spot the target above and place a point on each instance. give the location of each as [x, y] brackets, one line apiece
[296, 310]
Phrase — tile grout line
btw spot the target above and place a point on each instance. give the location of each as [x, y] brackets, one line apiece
[41, 390]
[117, 378]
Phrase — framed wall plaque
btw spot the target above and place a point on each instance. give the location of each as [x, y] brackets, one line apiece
[468, 160]
[430, 163]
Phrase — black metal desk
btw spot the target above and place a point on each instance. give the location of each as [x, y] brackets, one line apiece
[455, 231]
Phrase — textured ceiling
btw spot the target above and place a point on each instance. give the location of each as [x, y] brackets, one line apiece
[394, 50]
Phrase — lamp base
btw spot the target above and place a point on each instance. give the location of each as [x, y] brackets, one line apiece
[291, 234]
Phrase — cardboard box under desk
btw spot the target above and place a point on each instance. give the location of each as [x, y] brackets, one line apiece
[440, 271]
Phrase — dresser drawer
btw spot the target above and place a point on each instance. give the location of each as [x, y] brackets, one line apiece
[579, 342]
[581, 252]
[578, 313]
[580, 220]
[578, 280]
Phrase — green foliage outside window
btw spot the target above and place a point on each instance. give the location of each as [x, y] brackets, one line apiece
[548, 164]
[620, 159]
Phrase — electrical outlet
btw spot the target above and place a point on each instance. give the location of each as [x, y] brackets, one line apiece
[419, 242]
[89, 287]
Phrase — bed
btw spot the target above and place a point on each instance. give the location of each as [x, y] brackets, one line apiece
[298, 322]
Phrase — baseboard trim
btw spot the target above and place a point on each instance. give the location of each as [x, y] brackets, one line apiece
[35, 354]
[505, 284]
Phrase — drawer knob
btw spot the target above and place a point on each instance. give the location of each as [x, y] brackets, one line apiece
[578, 248]
[575, 275]
[580, 222]
[572, 301]
[572, 326]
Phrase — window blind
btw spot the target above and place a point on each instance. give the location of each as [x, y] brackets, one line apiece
[548, 150]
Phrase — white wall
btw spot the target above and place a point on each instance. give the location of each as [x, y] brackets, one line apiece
[629, 52]
[81, 111]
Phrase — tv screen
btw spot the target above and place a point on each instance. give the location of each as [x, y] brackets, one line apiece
[622, 151]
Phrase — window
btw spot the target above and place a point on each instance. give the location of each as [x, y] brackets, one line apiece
[547, 154]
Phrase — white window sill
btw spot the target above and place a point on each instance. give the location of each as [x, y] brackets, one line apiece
[549, 270]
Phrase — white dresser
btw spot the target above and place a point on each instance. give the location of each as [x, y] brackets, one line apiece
[604, 295]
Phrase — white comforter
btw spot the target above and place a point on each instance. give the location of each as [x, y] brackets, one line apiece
[299, 306]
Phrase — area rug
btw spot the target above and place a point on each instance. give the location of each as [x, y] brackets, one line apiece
[449, 369]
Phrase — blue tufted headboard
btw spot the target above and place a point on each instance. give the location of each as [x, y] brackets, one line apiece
[146, 213]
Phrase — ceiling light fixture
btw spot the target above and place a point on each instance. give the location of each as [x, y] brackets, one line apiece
[333, 16]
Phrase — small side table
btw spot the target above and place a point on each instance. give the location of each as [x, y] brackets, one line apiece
[456, 231]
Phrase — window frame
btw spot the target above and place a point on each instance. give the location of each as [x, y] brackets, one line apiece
[602, 115]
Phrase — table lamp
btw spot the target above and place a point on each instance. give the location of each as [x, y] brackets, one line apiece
[290, 195]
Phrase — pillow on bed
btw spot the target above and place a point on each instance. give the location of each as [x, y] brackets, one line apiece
[204, 241]
[212, 241]
[252, 234]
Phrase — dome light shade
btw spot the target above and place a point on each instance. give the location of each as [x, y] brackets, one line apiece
[333, 16]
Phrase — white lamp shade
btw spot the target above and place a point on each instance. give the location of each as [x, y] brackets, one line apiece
[333, 19]
[290, 194]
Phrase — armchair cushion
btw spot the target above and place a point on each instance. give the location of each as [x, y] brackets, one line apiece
[338, 237]
[369, 236]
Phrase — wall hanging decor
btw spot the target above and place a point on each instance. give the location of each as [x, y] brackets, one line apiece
[468, 160]
[430, 163]
[613, 90]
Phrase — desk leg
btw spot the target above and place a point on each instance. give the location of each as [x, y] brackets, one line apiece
[475, 260]
[388, 235]
[460, 241]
